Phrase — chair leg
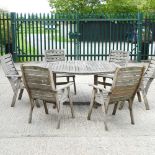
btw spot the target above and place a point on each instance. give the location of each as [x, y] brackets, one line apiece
[37, 103]
[139, 96]
[31, 111]
[91, 105]
[14, 98]
[54, 106]
[145, 100]
[131, 112]
[15, 93]
[74, 85]
[104, 117]
[59, 114]
[121, 105]
[104, 80]
[67, 79]
[115, 108]
[95, 79]
[71, 105]
[45, 107]
[20, 94]
[106, 109]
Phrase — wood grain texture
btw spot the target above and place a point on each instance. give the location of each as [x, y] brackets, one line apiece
[56, 55]
[13, 76]
[39, 84]
[119, 57]
[121, 89]
[149, 76]
[80, 67]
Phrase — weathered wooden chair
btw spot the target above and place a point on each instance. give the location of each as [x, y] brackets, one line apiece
[149, 76]
[13, 76]
[117, 56]
[54, 55]
[125, 84]
[39, 84]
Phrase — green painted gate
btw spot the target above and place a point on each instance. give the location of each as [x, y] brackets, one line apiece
[85, 37]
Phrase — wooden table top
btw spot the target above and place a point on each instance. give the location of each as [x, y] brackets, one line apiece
[81, 67]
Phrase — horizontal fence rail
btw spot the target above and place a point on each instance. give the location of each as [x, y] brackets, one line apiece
[83, 37]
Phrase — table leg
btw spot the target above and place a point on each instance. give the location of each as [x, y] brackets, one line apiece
[95, 79]
[96, 105]
[54, 79]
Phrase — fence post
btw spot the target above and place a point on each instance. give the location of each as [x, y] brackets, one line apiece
[77, 44]
[13, 30]
[139, 39]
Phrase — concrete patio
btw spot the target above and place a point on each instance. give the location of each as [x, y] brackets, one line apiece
[75, 136]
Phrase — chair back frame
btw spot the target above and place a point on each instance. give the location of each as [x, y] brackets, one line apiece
[119, 57]
[54, 55]
[13, 76]
[39, 83]
[126, 83]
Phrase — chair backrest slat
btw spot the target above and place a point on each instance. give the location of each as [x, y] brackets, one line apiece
[39, 82]
[126, 82]
[150, 72]
[54, 55]
[119, 57]
[8, 65]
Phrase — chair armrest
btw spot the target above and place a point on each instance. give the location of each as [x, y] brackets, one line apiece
[19, 70]
[150, 77]
[97, 87]
[110, 75]
[17, 76]
[65, 86]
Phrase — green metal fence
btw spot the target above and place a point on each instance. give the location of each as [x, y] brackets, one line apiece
[86, 37]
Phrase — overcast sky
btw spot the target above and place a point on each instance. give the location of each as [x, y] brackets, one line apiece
[25, 6]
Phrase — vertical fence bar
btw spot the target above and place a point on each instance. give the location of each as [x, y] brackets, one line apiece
[29, 29]
[1, 38]
[70, 48]
[63, 34]
[59, 31]
[25, 35]
[75, 39]
[4, 31]
[44, 19]
[40, 26]
[48, 30]
[105, 39]
[102, 38]
[67, 23]
[151, 20]
[37, 38]
[139, 41]
[18, 39]
[33, 35]
[21, 38]
[78, 53]
[53, 27]
[55, 39]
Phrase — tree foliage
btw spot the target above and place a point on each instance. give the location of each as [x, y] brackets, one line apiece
[76, 6]
[98, 6]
